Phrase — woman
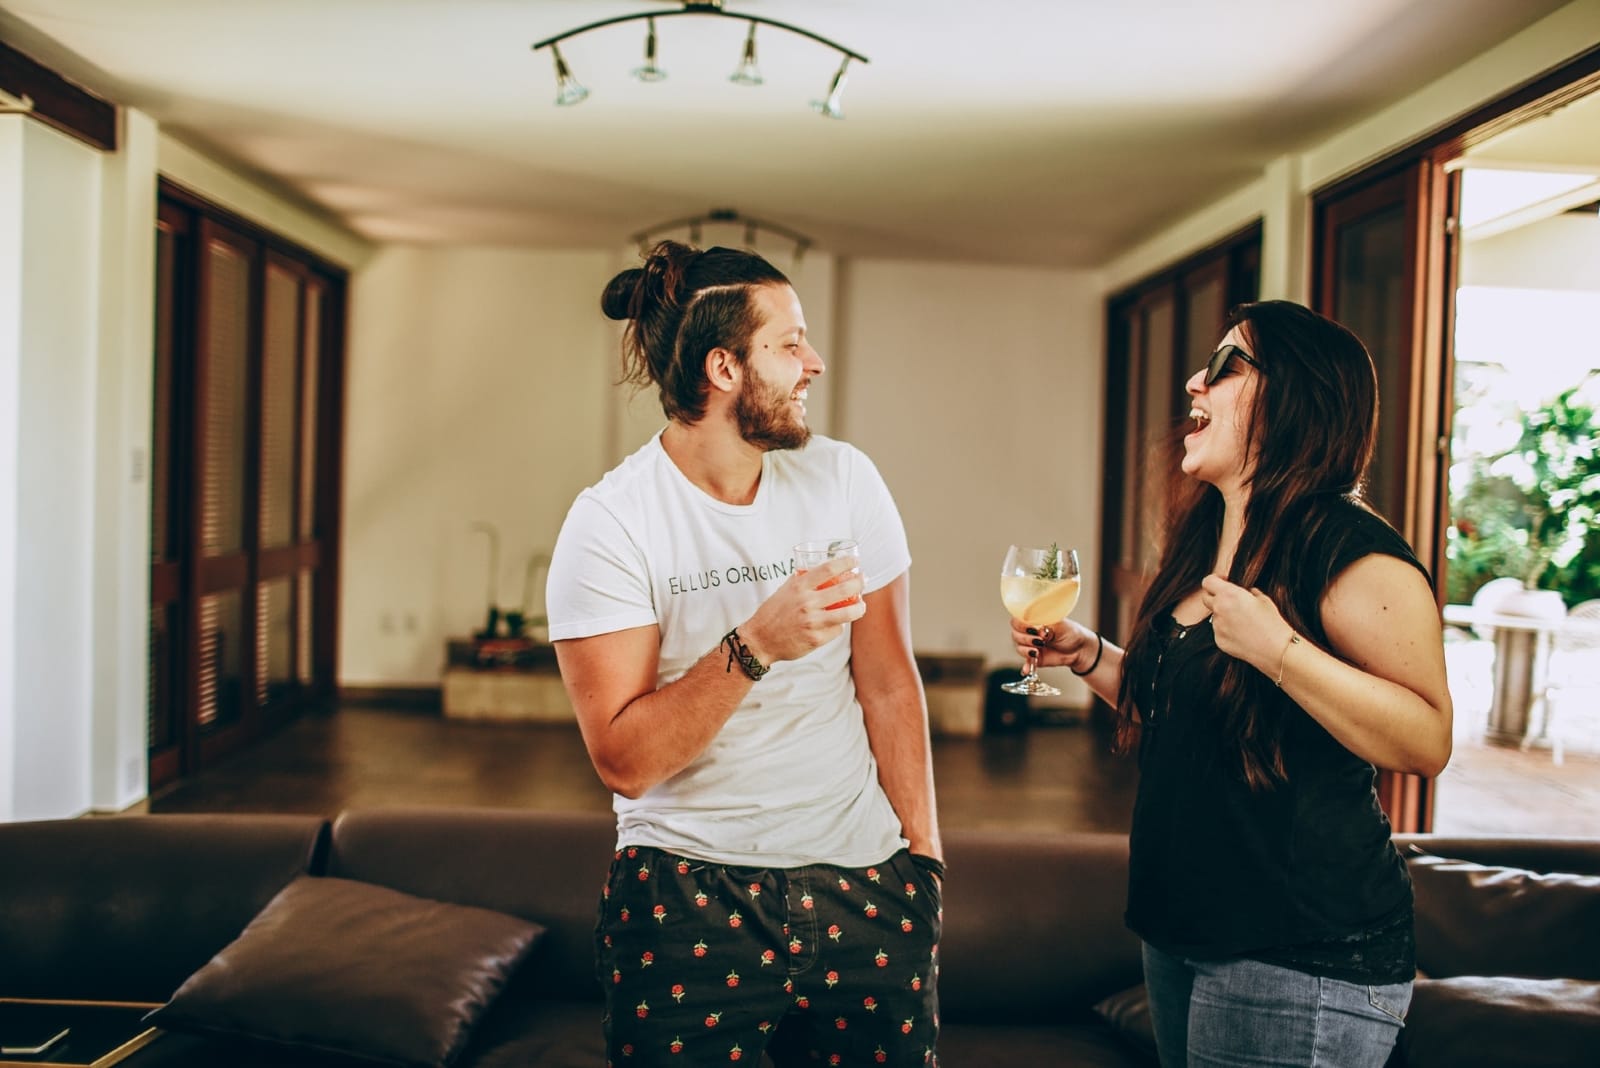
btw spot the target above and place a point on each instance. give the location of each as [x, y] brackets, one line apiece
[1288, 645]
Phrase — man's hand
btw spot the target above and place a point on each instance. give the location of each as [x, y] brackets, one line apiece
[796, 619]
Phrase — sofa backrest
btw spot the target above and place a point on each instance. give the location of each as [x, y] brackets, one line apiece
[1033, 926]
[1578, 855]
[1033, 922]
[546, 867]
[1521, 907]
[126, 908]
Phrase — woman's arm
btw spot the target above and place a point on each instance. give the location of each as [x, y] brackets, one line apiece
[1381, 690]
[1075, 647]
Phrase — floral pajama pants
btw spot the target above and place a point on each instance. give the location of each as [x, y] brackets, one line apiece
[705, 964]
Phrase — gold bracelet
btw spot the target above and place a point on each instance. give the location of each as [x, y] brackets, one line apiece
[1294, 639]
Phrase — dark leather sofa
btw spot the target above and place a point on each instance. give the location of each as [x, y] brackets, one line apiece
[1037, 968]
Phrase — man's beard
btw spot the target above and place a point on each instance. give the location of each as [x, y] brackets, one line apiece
[765, 417]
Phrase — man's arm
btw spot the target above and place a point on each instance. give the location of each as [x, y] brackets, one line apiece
[896, 711]
[638, 735]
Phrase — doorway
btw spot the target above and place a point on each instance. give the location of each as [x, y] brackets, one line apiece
[1523, 535]
[1387, 261]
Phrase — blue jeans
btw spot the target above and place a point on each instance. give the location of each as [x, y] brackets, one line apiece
[1233, 1013]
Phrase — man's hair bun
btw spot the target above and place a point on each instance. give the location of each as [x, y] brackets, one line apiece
[620, 299]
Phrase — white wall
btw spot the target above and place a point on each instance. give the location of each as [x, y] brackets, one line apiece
[122, 396]
[977, 391]
[481, 386]
[479, 389]
[57, 329]
[11, 133]
[271, 209]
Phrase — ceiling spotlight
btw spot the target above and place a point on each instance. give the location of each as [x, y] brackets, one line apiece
[695, 225]
[569, 92]
[747, 73]
[649, 72]
[830, 107]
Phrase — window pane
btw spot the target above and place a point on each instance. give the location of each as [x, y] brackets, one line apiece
[310, 377]
[221, 634]
[278, 352]
[161, 547]
[1371, 300]
[226, 366]
[164, 707]
[303, 629]
[273, 650]
[1158, 387]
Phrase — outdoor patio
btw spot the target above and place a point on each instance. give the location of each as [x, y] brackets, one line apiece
[1492, 788]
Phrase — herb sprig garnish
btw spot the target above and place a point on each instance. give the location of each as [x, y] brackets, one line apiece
[1051, 568]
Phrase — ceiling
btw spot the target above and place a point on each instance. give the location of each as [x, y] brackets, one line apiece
[1050, 132]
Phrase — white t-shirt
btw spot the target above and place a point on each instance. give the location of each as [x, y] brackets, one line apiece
[790, 779]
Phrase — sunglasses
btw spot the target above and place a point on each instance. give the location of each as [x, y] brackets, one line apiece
[1217, 366]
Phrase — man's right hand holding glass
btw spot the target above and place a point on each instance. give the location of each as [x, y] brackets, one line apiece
[796, 619]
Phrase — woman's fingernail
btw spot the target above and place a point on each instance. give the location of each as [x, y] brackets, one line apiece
[1032, 653]
[1038, 644]
[1032, 631]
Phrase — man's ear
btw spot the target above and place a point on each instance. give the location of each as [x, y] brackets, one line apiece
[724, 372]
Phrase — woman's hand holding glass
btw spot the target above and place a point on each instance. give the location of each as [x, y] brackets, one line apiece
[1063, 644]
[1037, 586]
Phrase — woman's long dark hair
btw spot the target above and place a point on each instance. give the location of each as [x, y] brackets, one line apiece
[1312, 431]
[680, 305]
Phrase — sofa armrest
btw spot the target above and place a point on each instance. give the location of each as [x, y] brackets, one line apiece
[125, 908]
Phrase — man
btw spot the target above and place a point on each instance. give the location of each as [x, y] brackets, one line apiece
[778, 855]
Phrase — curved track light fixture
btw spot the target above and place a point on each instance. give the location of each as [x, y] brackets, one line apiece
[569, 92]
[647, 238]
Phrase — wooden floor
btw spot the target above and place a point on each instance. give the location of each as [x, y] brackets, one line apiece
[1049, 778]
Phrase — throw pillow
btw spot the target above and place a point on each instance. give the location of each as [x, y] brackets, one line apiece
[1128, 1014]
[1473, 919]
[1488, 1022]
[356, 969]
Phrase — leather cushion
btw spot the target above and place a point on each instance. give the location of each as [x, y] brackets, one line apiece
[352, 968]
[1128, 1014]
[1474, 919]
[1482, 1021]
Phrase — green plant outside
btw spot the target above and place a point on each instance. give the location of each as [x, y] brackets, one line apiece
[1541, 524]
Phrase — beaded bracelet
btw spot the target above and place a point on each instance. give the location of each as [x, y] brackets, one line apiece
[1099, 648]
[738, 650]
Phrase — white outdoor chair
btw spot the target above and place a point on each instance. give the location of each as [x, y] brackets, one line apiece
[1489, 598]
[1574, 666]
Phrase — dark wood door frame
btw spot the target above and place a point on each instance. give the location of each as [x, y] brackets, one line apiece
[1420, 171]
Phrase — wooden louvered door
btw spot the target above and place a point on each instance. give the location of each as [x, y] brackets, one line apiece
[247, 385]
[222, 621]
